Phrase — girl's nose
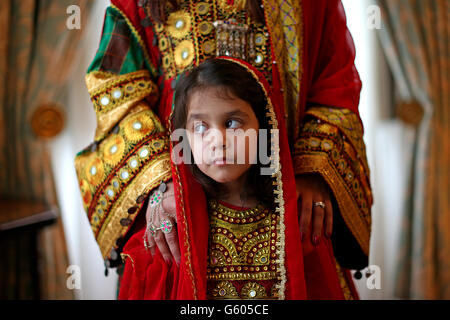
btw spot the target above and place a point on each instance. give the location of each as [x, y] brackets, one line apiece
[219, 140]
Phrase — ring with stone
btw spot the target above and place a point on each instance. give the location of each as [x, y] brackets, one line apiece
[153, 229]
[166, 226]
[319, 204]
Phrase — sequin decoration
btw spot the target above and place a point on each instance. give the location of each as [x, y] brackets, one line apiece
[184, 54]
[178, 24]
[113, 149]
[138, 126]
[95, 171]
[241, 248]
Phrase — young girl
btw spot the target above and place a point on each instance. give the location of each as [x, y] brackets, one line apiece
[237, 227]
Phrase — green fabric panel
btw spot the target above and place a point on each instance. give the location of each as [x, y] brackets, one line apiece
[134, 59]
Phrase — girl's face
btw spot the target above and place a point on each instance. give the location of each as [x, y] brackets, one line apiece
[222, 134]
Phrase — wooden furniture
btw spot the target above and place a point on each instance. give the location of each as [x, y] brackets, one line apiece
[20, 223]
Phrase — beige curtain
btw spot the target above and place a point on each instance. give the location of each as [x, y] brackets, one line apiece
[416, 39]
[36, 53]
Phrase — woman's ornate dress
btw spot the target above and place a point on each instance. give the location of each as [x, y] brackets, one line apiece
[305, 53]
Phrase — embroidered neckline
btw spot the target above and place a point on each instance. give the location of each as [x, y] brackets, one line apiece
[223, 207]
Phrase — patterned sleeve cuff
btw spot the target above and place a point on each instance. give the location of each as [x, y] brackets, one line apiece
[117, 173]
[331, 144]
[114, 96]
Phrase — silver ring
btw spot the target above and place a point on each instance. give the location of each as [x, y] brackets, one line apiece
[319, 204]
[153, 230]
[166, 226]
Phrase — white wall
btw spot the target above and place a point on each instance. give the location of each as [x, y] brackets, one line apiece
[388, 144]
[82, 248]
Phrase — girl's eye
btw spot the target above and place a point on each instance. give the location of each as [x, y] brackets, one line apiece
[200, 128]
[232, 124]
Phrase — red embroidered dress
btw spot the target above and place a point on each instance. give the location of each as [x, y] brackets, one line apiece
[241, 252]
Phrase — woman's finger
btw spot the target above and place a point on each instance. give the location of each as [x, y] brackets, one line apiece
[160, 240]
[151, 244]
[305, 215]
[172, 242]
[318, 215]
[328, 218]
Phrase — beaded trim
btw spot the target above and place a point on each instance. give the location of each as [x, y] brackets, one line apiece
[131, 86]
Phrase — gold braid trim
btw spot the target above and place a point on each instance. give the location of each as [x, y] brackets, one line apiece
[284, 19]
[349, 209]
[150, 177]
[131, 159]
[331, 144]
[114, 96]
[343, 282]
[125, 256]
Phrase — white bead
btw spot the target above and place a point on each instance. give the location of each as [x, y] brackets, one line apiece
[252, 293]
[93, 170]
[113, 149]
[104, 101]
[184, 54]
[117, 94]
[133, 164]
[137, 125]
[179, 24]
[110, 193]
[143, 153]
[124, 175]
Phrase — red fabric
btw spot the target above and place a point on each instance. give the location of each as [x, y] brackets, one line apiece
[329, 74]
[329, 78]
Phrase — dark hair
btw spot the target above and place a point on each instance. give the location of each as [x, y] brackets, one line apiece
[158, 9]
[231, 80]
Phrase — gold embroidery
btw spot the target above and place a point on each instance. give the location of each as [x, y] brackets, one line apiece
[115, 96]
[113, 149]
[331, 143]
[343, 283]
[350, 125]
[184, 47]
[94, 170]
[119, 90]
[253, 290]
[241, 248]
[139, 126]
[319, 163]
[225, 290]
[285, 21]
[126, 157]
[203, 8]
[125, 256]
[228, 9]
[184, 54]
[179, 24]
[150, 177]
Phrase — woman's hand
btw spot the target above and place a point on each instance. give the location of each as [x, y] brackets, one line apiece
[312, 190]
[167, 242]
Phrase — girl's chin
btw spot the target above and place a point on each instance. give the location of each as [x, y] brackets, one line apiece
[223, 177]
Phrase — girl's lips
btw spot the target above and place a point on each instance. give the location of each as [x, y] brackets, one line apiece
[222, 162]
